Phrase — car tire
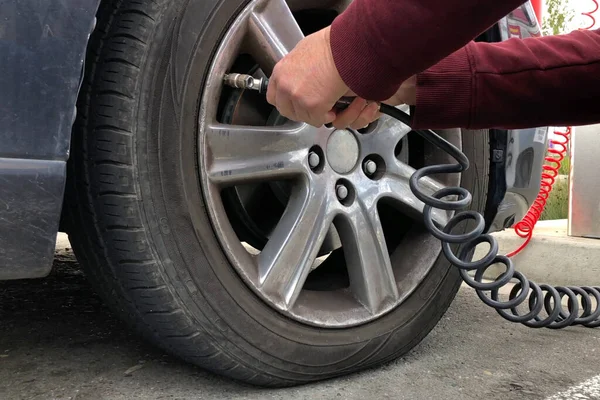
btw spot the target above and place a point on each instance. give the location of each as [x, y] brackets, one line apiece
[139, 226]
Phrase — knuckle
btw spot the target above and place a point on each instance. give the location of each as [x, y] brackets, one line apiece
[308, 103]
[287, 89]
[312, 103]
[298, 98]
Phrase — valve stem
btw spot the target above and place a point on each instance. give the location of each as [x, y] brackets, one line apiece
[244, 81]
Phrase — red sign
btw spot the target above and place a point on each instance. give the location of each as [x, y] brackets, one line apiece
[514, 31]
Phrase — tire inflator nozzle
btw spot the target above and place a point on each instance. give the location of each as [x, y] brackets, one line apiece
[243, 81]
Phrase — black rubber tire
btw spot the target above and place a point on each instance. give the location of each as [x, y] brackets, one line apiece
[138, 224]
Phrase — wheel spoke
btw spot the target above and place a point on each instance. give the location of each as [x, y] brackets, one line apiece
[273, 33]
[286, 260]
[241, 154]
[371, 277]
[392, 131]
[389, 131]
[395, 186]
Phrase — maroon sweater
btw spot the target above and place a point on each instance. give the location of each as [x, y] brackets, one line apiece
[553, 80]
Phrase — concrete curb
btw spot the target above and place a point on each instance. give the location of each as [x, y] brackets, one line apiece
[551, 256]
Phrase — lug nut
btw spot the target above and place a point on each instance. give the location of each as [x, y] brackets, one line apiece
[341, 191]
[370, 167]
[313, 159]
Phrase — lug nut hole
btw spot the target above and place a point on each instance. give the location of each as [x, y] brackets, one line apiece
[398, 149]
[345, 192]
[316, 159]
[374, 166]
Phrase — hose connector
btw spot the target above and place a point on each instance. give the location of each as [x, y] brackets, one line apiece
[244, 81]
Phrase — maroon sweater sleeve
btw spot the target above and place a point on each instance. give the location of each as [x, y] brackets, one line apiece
[547, 81]
[377, 44]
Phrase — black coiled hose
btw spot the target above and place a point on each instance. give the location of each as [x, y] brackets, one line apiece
[524, 290]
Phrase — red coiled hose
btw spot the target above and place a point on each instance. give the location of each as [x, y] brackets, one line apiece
[555, 157]
[589, 14]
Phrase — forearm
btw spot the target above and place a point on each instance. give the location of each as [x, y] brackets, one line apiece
[548, 81]
[377, 44]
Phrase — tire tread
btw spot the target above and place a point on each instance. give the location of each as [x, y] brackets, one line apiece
[115, 254]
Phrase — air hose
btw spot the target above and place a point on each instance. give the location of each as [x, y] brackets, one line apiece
[550, 171]
[525, 290]
[535, 298]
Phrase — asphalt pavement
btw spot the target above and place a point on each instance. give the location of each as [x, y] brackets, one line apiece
[58, 341]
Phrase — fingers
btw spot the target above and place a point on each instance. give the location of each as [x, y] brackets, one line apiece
[358, 115]
[272, 91]
[281, 101]
[344, 118]
[311, 110]
[369, 114]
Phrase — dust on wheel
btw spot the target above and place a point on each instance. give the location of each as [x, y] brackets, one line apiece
[262, 249]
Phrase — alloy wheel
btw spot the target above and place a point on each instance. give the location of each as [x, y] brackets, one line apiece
[335, 238]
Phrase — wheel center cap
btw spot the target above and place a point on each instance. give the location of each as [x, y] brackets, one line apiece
[342, 151]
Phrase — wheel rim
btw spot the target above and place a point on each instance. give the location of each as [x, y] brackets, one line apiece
[338, 180]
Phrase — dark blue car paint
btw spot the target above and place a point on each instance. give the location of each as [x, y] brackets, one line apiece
[42, 51]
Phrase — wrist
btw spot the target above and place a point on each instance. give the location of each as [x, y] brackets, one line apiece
[409, 88]
[330, 70]
[329, 60]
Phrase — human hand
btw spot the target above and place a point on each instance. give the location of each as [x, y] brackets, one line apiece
[305, 84]
[361, 112]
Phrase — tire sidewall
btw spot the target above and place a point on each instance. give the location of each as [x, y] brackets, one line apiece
[191, 260]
